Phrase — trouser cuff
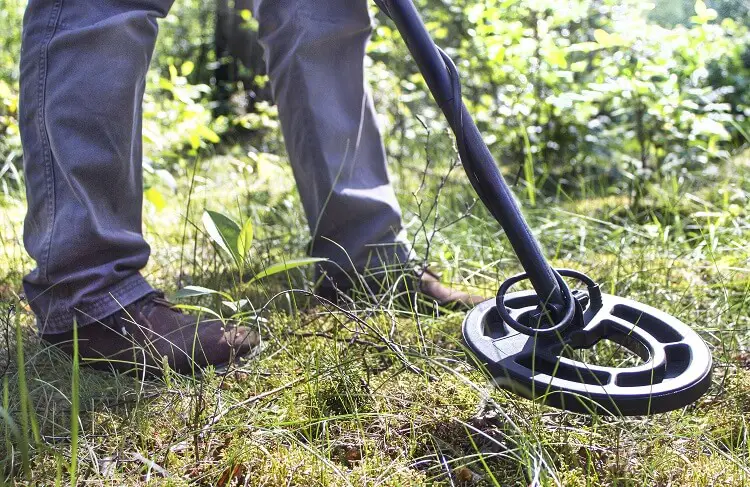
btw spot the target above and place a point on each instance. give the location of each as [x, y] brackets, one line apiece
[393, 258]
[112, 300]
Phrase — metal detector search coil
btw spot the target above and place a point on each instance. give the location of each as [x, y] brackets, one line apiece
[521, 338]
[676, 372]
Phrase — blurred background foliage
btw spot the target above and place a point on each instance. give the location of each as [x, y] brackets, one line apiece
[567, 92]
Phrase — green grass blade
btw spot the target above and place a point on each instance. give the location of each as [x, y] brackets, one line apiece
[74, 407]
[8, 423]
[23, 392]
[285, 266]
[528, 165]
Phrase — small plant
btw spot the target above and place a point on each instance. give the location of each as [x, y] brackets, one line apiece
[235, 241]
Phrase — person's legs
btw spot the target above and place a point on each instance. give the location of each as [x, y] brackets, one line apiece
[83, 73]
[315, 53]
[83, 68]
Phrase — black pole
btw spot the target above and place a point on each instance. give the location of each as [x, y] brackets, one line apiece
[477, 160]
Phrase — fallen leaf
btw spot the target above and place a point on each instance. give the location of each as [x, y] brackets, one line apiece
[465, 475]
[230, 474]
[353, 454]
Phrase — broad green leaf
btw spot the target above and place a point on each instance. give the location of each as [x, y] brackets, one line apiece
[187, 68]
[605, 39]
[556, 57]
[584, 47]
[195, 140]
[579, 66]
[199, 310]
[223, 231]
[704, 14]
[194, 291]
[165, 84]
[236, 306]
[701, 9]
[285, 266]
[209, 134]
[601, 36]
[155, 197]
[172, 72]
[167, 179]
[245, 240]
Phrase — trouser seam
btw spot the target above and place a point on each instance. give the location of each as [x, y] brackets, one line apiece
[44, 135]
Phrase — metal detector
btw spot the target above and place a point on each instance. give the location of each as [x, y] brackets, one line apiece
[524, 339]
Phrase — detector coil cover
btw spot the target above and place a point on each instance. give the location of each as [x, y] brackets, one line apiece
[676, 372]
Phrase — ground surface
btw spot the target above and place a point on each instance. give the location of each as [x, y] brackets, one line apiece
[383, 396]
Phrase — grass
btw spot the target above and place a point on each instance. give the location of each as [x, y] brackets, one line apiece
[381, 396]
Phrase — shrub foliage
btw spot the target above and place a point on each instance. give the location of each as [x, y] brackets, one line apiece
[592, 89]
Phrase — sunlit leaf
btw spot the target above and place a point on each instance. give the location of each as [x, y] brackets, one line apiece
[700, 8]
[187, 68]
[579, 66]
[710, 128]
[155, 197]
[195, 140]
[195, 291]
[601, 36]
[556, 57]
[285, 266]
[209, 134]
[245, 240]
[584, 47]
[167, 179]
[172, 72]
[237, 306]
[223, 231]
[165, 84]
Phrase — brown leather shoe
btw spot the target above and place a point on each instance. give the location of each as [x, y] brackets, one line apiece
[142, 334]
[418, 282]
[432, 289]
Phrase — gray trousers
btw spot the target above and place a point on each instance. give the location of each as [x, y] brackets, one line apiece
[83, 69]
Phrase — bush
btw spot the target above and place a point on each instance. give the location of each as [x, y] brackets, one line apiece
[11, 13]
[592, 88]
